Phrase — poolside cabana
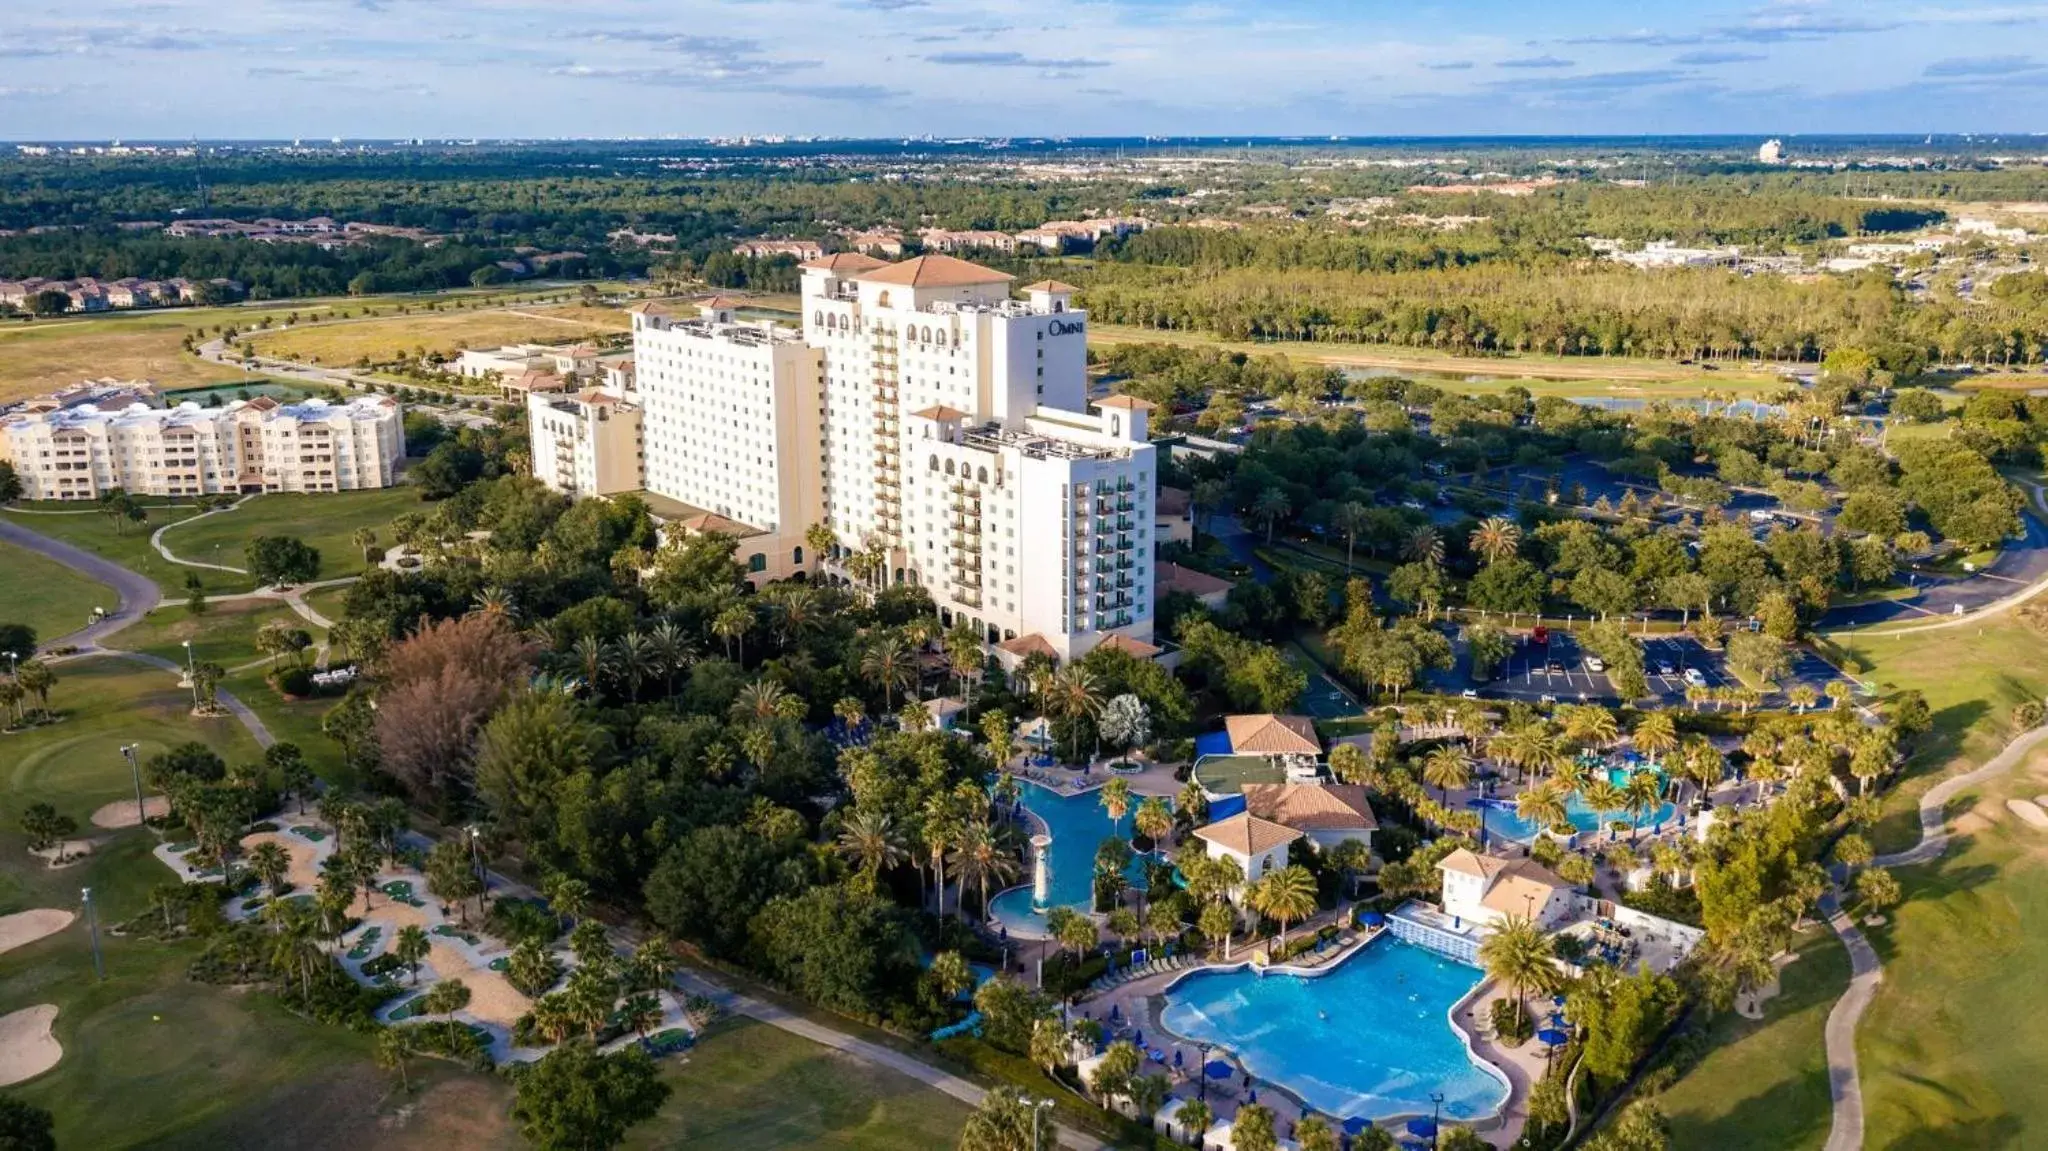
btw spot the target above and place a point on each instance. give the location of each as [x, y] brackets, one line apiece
[1258, 845]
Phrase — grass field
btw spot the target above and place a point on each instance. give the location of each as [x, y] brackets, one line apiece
[1544, 375]
[1723, 1102]
[129, 545]
[46, 595]
[225, 635]
[326, 521]
[77, 765]
[386, 337]
[750, 1087]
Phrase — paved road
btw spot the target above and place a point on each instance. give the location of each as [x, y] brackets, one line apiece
[2022, 563]
[137, 595]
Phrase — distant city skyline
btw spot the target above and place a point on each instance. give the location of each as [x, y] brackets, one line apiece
[881, 68]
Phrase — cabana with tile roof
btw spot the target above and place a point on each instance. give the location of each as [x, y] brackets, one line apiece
[1258, 845]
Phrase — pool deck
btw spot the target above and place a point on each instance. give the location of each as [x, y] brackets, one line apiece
[1144, 999]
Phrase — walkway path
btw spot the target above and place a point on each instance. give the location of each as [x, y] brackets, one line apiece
[137, 594]
[156, 540]
[1865, 971]
[2034, 556]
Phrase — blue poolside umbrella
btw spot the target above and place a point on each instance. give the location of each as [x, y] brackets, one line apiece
[1138, 1039]
[1217, 1069]
[1356, 1125]
[1177, 1057]
[1253, 1095]
[1552, 1037]
[1115, 1013]
[1422, 1127]
[1374, 918]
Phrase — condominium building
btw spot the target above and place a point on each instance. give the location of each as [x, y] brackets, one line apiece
[930, 420]
[586, 443]
[260, 445]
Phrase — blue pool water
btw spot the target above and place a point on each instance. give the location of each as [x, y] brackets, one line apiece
[1505, 823]
[1213, 743]
[1078, 825]
[1371, 1038]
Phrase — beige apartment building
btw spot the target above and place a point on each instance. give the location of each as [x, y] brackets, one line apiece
[260, 445]
[587, 443]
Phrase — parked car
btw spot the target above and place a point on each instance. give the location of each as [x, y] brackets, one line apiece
[1539, 635]
[1468, 693]
[1664, 668]
[1693, 677]
[1595, 663]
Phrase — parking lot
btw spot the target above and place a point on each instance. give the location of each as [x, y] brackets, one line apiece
[1557, 673]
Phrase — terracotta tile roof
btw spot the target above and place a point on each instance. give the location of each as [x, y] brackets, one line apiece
[1311, 806]
[1247, 834]
[1272, 735]
[1027, 644]
[1131, 402]
[849, 262]
[650, 308]
[1136, 647]
[1171, 577]
[1513, 886]
[713, 522]
[936, 271]
[725, 303]
[1050, 286]
[941, 413]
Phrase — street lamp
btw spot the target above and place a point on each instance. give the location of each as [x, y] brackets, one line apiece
[92, 926]
[191, 680]
[483, 884]
[1038, 1107]
[1436, 1117]
[1202, 1073]
[135, 770]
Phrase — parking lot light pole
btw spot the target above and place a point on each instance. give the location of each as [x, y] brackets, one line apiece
[135, 770]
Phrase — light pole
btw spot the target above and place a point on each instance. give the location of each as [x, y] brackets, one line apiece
[1436, 1117]
[1202, 1072]
[483, 885]
[92, 926]
[1038, 1107]
[135, 770]
[191, 680]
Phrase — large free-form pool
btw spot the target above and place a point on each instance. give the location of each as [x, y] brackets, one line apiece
[1503, 822]
[1078, 825]
[1369, 1038]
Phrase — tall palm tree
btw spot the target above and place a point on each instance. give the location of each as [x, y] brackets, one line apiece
[732, 624]
[364, 539]
[871, 839]
[1496, 539]
[1115, 798]
[1445, 768]
[1543, 805]
[1350, 519]
[1287, 895]
[1154, 820]
[1588, 725]
[1074, 695]
[759, 701]
[890, 662]
[983, 855]
[672, 651]
[1656, 734]
[1602, 796]
[654, 965]
[1643, 792]
[1701, 763]
[1424, 546]
[634, 656]
[821, 539]
[1269, 508]
[797, 609]
[594, 658]
[270, 862]
[1520, 955]
[941, 830]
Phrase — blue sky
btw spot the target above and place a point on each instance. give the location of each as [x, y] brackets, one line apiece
[383, 68]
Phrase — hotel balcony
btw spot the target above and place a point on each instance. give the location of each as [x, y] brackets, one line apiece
[967, 543]
[971, 599]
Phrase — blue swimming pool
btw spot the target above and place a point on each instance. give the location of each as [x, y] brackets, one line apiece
[1078, 825]
[1502, 821]
[1370, 1038]
[1213, 743]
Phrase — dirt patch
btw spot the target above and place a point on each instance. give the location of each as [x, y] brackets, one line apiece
[389, 912]
[1750, 1005]
[121, 812]
[25, 927]
[358, 1106]
[2029, 812]
[492, 998]
[27, 1049]
[64, 854]
[1974, 820]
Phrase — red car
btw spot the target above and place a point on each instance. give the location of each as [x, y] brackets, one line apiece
[1539, 635]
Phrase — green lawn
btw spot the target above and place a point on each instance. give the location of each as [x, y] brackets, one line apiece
[325, 521]
[107, 702]
[1725, 1102]
[751, 1087]
[129, 546]
[46, 595]
[225, 635]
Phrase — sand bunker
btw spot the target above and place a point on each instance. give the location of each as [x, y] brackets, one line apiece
[64, 854]
[27, 1049]
[2029, 811]
[492, 998]
[121, 812]
[25, 927]
[389, 912]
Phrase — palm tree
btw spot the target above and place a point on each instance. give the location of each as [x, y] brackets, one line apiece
[732, 624]
[982, 855]
[270, 862]
[1602, 796]
[1287, 895]
[1496, 539]
[821, 539]
[1350, 518]
[364, 539]
[493, 600]
[394, 1048]
[951, 974]
[1154, 820]
[653, 965]
[1115, 798]
[594, 658]
[554, 1017]
[1588, 724]
[1519, 955]
[1445, 768]
[1839, 692]
[1643, 792]
[1074, 695]
[1052, 1045]
[761, 701]
[1655, 735]
[1424, 546]
[1270, 508]
[36, 678]
[1543, 805]
[1314, 1133]
[1802, 696]
[672, 651]
[641, 1014]
[889, 662]
[850, 712]
[796, 610]
[872, 840]
[941, 830]
[566, 896]
[1701, 763]
[634, 659]
[410, 947]
[1193, 801]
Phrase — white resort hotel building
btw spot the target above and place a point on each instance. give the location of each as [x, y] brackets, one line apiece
[925, 416]
[259, 445]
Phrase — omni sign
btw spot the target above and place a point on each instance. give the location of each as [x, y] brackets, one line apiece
[1063, 328]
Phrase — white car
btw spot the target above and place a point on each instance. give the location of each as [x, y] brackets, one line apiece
[1595, 663]
[1693, 677]
[1468, 693]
